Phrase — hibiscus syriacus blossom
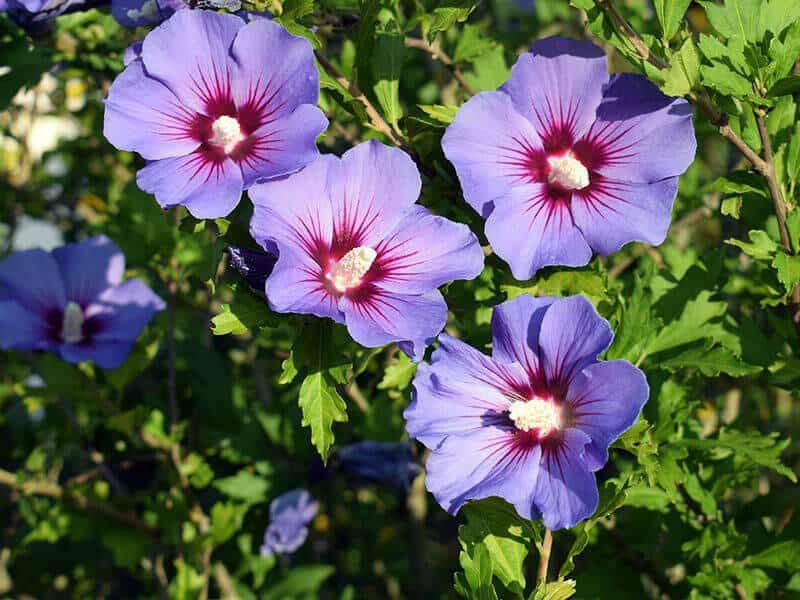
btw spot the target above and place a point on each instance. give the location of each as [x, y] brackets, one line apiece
[532, 423]
[356, 248]
[289, 516]
[390, 463]
[564, 160]
[74, 303]
[213, 111]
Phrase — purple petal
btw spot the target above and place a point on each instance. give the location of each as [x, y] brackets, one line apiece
[295, 212]
[571, 336]
[208, 189]
[380, 317]
[458, 390]
[424, 252]
[611, 213]
[607, 398]
[143, 115]
[32, 278]
[373, 187]
[106, 355]
[490, 144]
[566, 490]
[487, 462]
[558, 87]
[531, 229]
[190, 54]
[515, 331]
[272, 88]
[22, 329]
[297, 286]
[122, 312]
[283, 146]
[643, 135]
[89, 267]
[132, 53]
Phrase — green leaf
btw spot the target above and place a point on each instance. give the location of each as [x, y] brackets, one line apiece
[670, 14]
[443, 114]
[710, 361]
[788, 268]
[300, 582]
[448, 14]
[387, 64]
[226, 520]
[783, 555]
[490, 70]
[684, 72]
[26, 64]
[793, 159]
[691, 325]
[247, 312]
[243, 486]
[476, 583]
[726, 81]
[793, 226]
[399, 374]
[731, 206]
[738, 183]
[637, 325]
[471, 44]
[785, 86]
[322, 406]
[735, 19]
[761, 246]
[555, 590]
[493, 524]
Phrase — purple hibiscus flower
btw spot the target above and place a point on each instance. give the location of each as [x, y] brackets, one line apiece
[532, 423]
[355, 247]
[391, 463]
[563, 160]
[289, 516]
[74, 303]
[213, 111]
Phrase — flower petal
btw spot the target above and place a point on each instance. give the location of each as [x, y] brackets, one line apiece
[558, 87]
[531, 228]
[515, 331]
[121, 313]
[190, 54]
[265, 89]
[640, 134]
[571, 336]
[89, 267]
[297, 285]
[566, 490]
[373, 188]
[459, 390]
[295, 212]
[32, 278]
[424, 252]
[106, 355]
[375, 317]
[612, 213]
[22, 328]
[208, 188]
[484, 463]
[491, 146]
[143, 115]
[281, 146]
[607, 398]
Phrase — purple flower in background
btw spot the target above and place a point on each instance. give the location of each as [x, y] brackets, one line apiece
[391, 463]
[289, 516]
[213, 111]
[532, 423]
[563, 160]
[253, 266]
[38, 16]
[74, 303]
[355, 247]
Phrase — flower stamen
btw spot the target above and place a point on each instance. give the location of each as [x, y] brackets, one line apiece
[348, 271]
[226, 133]
[535, 413]
[72, 324]
[567, 172]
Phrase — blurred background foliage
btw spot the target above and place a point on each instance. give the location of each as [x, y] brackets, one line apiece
[154, 480]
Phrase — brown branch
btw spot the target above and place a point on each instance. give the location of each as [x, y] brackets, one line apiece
[438, 54]
[374, 116]
[55, 491]
[701, 100]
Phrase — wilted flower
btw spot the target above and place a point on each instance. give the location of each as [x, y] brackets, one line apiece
[563, 160]
[289, 516]
[356, 248]
[253, 266]
[213, 110]
[391, 463]
[73, 302]
[532, 423]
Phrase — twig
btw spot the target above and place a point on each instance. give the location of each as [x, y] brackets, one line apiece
[172, 378]
[375, 117]
[53, 490]
[544, 557]
[354, 393]
[438, 54]
[717, 117]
